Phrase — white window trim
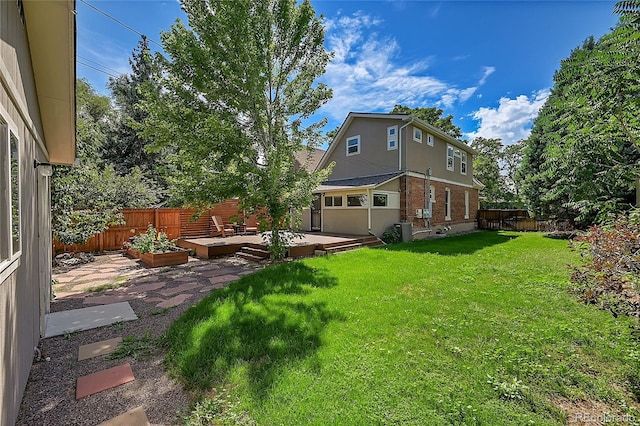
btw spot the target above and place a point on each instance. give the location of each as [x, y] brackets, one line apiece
[392, 138]
[357, 137]
[324, 206]
[430, 139]
[415, 129]
[463, 161]
[451, 149]
[347, 206]
[393, 199]
[466, 204]
[12, 262]
[447, 204]
[432, 193]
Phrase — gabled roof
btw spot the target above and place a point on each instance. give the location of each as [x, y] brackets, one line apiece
[308, 159]
[404, 117]
[364, 182]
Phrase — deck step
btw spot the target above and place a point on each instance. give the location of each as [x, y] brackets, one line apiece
[248, 256]
[259, 252]
[345, 247]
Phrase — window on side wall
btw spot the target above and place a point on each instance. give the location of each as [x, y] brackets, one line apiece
[353, 145]
[10, 229]
[14, 183]
[447, 204]
[333, 201]
[432, 193]
[417, 135]
[450, 158]
[430, 140]
[466, 204]
[5, 208]
[463, 163]
[357, 200]
[392, 138]
[380, 200]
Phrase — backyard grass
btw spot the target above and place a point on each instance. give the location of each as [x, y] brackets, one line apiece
[477, 329]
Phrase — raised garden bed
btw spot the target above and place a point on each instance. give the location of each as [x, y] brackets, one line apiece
[154, 260]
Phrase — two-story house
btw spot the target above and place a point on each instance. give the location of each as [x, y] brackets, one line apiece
[37, 127]
[395, 168]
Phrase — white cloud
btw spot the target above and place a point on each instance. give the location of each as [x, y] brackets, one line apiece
[367, 73]
[511, 120]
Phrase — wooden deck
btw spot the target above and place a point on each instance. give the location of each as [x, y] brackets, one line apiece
[209, 247]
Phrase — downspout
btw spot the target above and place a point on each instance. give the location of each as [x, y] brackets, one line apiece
[369, 202]
[406, 183]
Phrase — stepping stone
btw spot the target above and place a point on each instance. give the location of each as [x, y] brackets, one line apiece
[59, 323]
[223, 279]
[174, 301]
[135, 417]
[186, 279]
[206, 289]
[143, 288]
[103, 380]
[99, 348]
[153, 299]
[175, 290]
[105, 300]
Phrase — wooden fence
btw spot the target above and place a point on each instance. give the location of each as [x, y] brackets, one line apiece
[518, 220]
[175, 222]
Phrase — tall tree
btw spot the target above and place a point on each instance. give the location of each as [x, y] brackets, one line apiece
[124, 147]
[580, 160]
[86, 199]
[433, 116]
[486, 168]
[238, 87]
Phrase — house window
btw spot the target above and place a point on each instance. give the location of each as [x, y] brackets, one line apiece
[14, 171]
[380, 200]
[450, 161]
[417, 135]
[466, 204]
[463, 163]
[392, 138]
[353, 145]
[333, 201]
[432, 193]
[430, 139]
[447, 204]
[357, 200]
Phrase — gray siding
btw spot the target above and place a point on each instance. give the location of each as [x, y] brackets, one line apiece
[20, 302]
[345, 221]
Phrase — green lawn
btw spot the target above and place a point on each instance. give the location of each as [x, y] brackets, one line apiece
[477, 329]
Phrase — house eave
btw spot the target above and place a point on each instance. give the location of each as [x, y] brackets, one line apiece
[51, 31]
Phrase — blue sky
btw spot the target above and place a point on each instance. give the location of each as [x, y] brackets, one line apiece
[488, 63]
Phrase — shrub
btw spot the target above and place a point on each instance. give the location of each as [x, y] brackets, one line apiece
[391, 235]
[611, 255]
[153, 241]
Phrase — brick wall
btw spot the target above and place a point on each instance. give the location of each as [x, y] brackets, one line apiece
[412, 197]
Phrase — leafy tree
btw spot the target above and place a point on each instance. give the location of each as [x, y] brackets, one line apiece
[124, 148]
[237, 89]
[86, 199]
[486, 168]
[580, 160]
[511, 157]
[432, 116]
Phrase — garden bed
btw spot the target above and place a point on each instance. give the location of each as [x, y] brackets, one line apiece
[154, 260]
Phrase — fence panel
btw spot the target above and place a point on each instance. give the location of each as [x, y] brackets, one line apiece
[175, 222]
[518, 220]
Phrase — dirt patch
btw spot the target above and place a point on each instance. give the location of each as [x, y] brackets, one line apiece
[589, 412]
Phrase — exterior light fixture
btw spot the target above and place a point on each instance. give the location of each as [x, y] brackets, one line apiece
[45, 169]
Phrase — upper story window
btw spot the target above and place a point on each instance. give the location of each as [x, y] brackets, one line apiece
[450, 158]
[333, 201]
[430, 139]
[353, 145]
[417, 135]
[463, 163]
[392, 138]
[357, 200]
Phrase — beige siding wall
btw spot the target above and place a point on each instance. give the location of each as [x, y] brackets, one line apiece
[345, 221]
[20, 291]
[374, 158]
[381, 219]
[421, 156]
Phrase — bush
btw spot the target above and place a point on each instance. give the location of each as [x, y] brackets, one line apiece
[391, 235]
[609, 276]
[153, 241]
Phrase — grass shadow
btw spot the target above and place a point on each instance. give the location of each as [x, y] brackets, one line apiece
[455, 245]
[256, 328]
